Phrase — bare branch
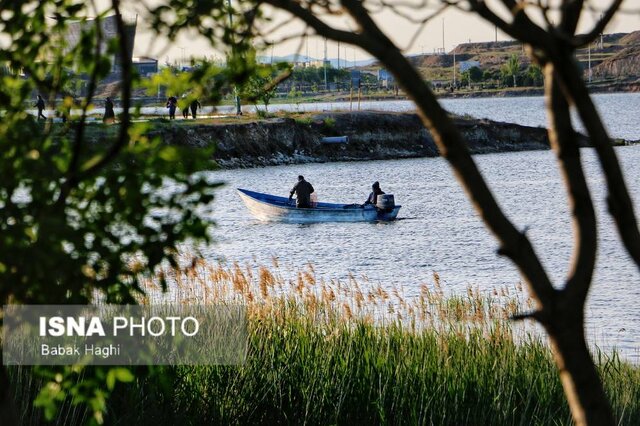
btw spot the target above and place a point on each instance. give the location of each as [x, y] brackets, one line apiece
[313, 21]
[522, 28]
[564, 142]
[584, 39]
[619, 200]
[570, 15]
[423, 23]
[452, 146]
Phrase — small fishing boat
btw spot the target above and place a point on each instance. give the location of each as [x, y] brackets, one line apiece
[279, 209]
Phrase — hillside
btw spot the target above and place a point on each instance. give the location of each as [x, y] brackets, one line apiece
[613, 57]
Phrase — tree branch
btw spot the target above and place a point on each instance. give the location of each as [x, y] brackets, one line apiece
[619, 200]
[308, 17]
[72, 171]
[452, 146]
[125, 63]
[521, 28]
[564, 142]
[570, 12]
[584, 39]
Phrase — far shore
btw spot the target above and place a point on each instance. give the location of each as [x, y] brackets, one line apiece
[296, 138]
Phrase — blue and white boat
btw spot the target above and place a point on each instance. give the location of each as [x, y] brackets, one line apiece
[273, 208]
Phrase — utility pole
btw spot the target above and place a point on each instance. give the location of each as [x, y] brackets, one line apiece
[324, 64]
[338, 55]
[454, 67]
[443, 51]
[181, 57]
[601, 36]
[235, 88]
[590, 74]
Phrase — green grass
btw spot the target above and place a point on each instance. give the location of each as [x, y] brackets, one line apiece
[355, 353]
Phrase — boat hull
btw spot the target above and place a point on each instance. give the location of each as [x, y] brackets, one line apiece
[272, 208]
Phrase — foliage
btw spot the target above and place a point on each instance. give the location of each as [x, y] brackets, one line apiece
[205, 82]
[511, 68]
[259, 88]
[315, 75]
[343, 350]
[534, 75]
[475, 74]
[261, 85]
[87, 211]
[329, 122]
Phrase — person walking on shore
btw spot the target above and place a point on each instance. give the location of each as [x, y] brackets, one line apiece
[303, 190]
[194, 108]
[184, 106]
[172, 104]
[109, 114]
[40, 105]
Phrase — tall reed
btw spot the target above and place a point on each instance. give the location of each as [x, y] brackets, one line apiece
[355, 352]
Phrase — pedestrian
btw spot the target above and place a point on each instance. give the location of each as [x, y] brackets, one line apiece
[184, 105]
[303, 190]
[109, 115]
[194, 108]
[172, 104]
[40, 105]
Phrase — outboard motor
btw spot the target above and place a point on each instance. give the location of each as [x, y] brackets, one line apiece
[385, 202]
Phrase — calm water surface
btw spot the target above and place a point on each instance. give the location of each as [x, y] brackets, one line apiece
[619, 110]
[438, 230]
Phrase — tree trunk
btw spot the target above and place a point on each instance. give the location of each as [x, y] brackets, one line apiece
[582, 385]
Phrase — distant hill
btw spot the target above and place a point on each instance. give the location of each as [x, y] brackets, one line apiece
[623, 63]
[613, 56]
[303, 58]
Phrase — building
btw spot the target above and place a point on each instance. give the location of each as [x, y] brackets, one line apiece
[109, 31]
[145, 66]
[385, 78]
[467, 65]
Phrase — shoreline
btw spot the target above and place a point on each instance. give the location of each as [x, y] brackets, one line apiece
[371, 136]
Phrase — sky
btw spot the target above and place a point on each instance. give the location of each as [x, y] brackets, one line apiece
[447, 30]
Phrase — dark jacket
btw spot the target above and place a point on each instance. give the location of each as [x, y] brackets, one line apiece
[373, 197]
[109, 113]
[303, 190]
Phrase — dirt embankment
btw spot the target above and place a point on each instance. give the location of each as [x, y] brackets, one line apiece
[372, 136]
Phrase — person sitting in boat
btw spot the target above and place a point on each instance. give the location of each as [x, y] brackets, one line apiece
[303, 191]
[373, 197]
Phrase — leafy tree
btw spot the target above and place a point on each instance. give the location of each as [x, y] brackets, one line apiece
[511, 68]
[475, 74]
[535, 75]
[88, 211]
[259, 88]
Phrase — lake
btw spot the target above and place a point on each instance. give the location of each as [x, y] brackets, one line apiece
[438, 230]
[619, 110]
